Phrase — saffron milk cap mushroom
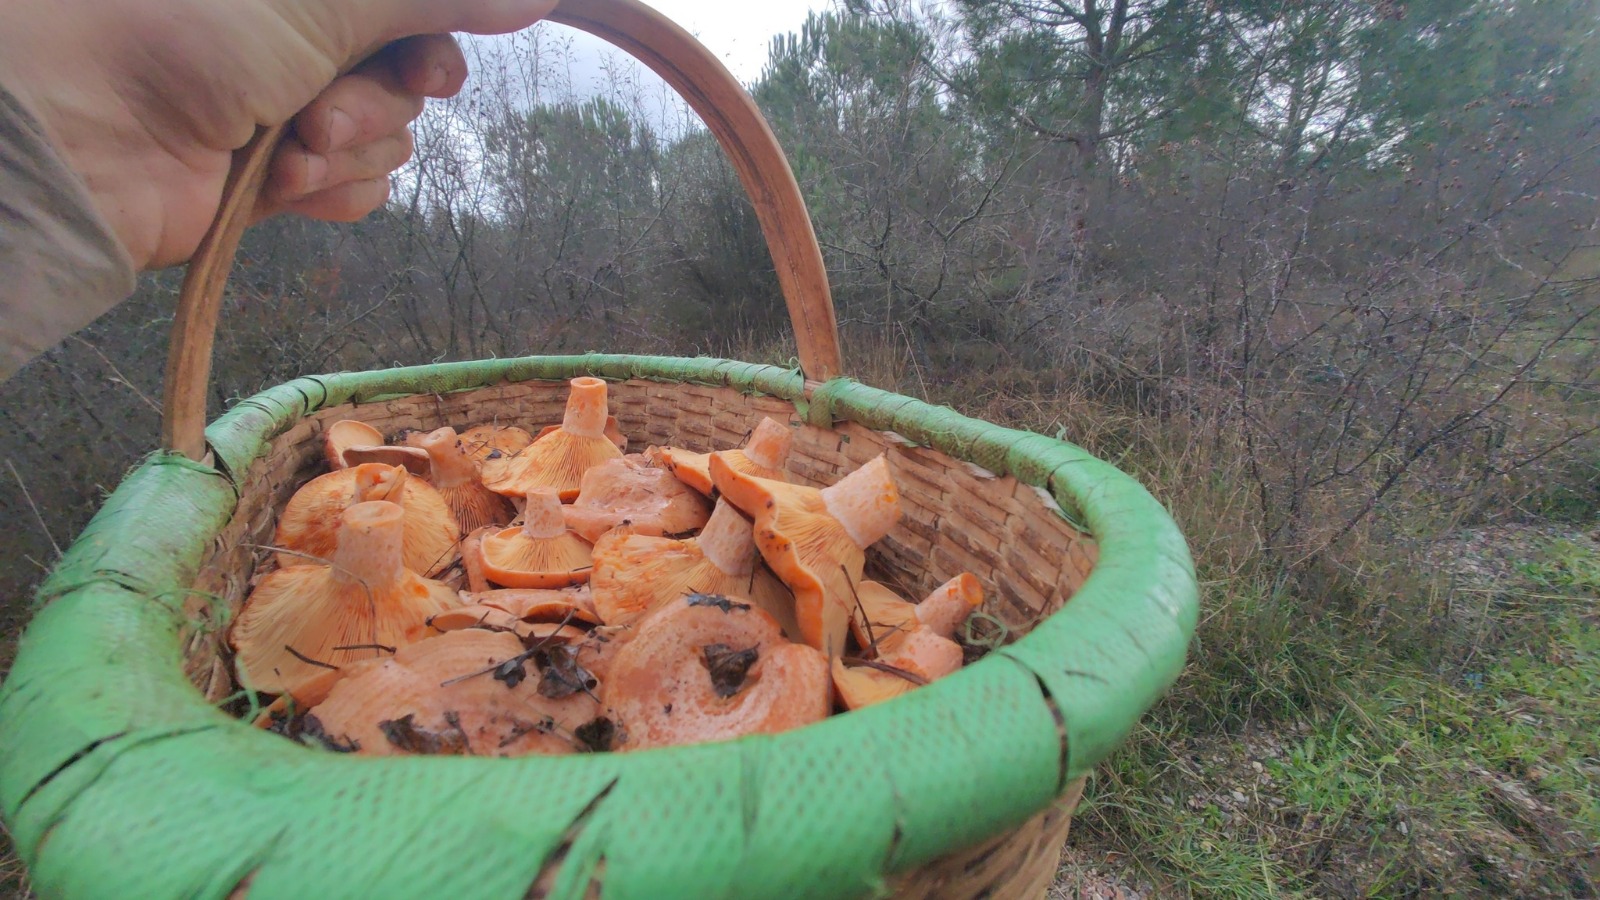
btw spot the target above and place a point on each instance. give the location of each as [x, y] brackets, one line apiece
[488, 441]
[763, 456]
[300, 621]
[629, 491]
[309, 525]
[463, 693]
[455, 475]
[634, 574]
[906, 659]
[559, 458]
[886, 612]
[540, 553]
[708, 668]
[344, 434]
[815, 540]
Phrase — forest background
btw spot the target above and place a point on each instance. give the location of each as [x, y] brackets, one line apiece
[1324, 274]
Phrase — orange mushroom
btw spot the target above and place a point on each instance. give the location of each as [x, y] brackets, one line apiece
[463, 693]
[302, 620]
[344, 434]
[413, 459]
[493, 618]
[950, 604]
[455, 475]
[629, 491]
[559, 459]
[519, 609]
[906, 659]
[541, 604]
[815, 540]
[309, 525]
[634, 574]
[707, 668]
[879, 612]
[763, 456]
[472, 558]
[613, 430]
[541, 553]
[486, 442]
[886, 612]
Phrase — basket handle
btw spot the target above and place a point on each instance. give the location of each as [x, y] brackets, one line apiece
[654, 40]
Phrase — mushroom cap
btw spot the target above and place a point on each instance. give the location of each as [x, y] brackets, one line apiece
[629, 491]
[492, 618]
[763, 456]
[541, 604]
[886, 613]
[336, 614]
[542, 553]
[415, 461]
[634, 574]
[421, 690]
[694, 469]
[919, 652]
[309, 523]
[859, 686]
[810, 550]
[344, 434]
[922, 652]
[556, 461]
[488, 441]
[662, 688]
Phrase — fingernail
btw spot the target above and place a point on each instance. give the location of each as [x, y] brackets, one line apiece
[341, 129]
[437, 80]
[316, 171]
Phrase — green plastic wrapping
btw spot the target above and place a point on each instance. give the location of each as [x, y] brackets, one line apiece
[117, 778]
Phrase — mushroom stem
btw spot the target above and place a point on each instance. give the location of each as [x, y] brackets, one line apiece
[769, 444]
[377, 481]
[451, 466]
[542, 519]
[865, 502]
[728, 541]
[370, 542]
[586, 408]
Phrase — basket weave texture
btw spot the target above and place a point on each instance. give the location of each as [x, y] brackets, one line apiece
[115, 771]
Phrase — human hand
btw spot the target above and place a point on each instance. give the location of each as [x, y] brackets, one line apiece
[148, 99]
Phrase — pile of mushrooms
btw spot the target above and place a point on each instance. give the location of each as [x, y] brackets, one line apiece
[493, 592]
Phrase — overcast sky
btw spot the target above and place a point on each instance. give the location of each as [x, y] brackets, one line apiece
[737, 31]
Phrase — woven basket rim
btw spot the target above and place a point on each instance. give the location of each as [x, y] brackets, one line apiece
[1080, 679]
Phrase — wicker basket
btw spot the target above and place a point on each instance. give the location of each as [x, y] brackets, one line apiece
[119, 776]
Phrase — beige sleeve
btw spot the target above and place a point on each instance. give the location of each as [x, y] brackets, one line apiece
[60, 265]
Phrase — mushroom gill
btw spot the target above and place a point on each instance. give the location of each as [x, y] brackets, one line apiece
[540, 553]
